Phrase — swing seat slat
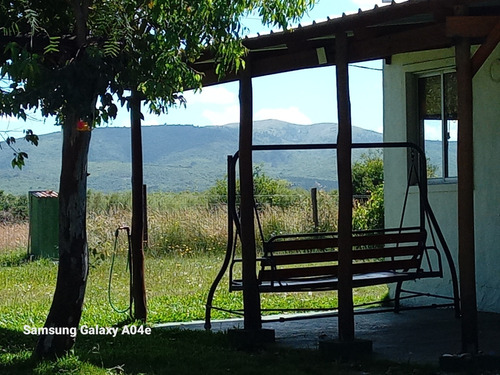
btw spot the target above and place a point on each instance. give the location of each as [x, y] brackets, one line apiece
[310, 264]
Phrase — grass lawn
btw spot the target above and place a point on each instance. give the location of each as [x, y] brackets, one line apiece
[176, 287]
[168, 351]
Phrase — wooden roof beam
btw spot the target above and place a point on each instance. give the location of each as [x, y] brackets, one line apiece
[289, 61]
[388, 15]
[487, 27]
[418, 39]
[486, 49]
[470, 26]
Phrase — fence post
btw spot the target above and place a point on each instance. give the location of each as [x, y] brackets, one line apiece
[314, 203]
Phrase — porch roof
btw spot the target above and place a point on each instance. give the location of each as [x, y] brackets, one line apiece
[379, 33]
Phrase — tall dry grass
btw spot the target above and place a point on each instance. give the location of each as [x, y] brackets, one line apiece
[182, 224]
[187, 242]
[13, 236]
[190, 225]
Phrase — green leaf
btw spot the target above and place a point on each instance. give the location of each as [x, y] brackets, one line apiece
[53, 46]
[31, 138]
[18, 160]
[111, 48]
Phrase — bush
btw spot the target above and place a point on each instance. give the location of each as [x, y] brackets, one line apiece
[370, 215]
[368, 173]
[368, 179]
[13, 209]
[267, 190]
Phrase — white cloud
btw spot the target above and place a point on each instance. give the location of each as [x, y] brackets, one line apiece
[291, 114]
[227, 115]
[211, 95]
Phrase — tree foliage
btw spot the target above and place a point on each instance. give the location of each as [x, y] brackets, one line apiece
[367, 173]
[111, 47]
[13, 208]
[368, 180]
[19, 155]
[72, 58]
[267, 190]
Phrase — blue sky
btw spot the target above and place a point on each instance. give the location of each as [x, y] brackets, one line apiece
[303, 97]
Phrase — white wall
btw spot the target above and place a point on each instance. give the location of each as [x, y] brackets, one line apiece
[443, 196]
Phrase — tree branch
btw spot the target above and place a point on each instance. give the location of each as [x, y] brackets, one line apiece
[81, 12]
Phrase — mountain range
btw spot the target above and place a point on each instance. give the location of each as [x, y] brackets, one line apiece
[181, 157]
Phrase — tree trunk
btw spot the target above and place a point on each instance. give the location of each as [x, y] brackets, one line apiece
[66, 309]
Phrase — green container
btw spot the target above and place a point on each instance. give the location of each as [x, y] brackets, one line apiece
[44, 224]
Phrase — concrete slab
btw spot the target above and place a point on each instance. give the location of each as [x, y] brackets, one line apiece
[414, 336]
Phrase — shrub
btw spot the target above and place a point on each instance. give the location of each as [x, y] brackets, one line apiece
[267, 190]
[13, 209]
[368, 179]
[370, 215]
[368, 173]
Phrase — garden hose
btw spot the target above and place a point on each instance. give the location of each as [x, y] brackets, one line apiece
[117, 232]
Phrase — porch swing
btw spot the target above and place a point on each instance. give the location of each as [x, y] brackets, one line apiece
[308, 262]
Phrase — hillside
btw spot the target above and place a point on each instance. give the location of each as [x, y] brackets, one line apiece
[181, 157]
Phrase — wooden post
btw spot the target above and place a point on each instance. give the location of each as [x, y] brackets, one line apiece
[251, 297]
[466, 247]
[314, 205]
[138, 292]
[344, 145]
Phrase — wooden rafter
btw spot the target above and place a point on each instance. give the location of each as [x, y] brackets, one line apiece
[375, 34]
[410, 40]
[486, 48]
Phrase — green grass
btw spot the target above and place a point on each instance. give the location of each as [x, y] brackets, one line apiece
[176, 289]
[187, 240]
[170, 351]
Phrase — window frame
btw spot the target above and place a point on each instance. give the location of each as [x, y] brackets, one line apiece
[415, 124]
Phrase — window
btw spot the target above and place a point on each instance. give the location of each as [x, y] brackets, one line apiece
[437, 104]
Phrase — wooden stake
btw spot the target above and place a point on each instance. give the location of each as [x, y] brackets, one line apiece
[314, 205]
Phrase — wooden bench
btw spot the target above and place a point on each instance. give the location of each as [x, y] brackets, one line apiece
[309, 262]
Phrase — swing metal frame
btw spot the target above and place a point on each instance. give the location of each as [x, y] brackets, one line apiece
[308, 261]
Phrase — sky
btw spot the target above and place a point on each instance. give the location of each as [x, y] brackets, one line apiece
[303, 97]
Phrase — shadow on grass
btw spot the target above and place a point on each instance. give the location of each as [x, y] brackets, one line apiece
[193, 352]
[174, 351]
[15, 352]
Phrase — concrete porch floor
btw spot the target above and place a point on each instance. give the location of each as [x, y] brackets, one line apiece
[414, 336]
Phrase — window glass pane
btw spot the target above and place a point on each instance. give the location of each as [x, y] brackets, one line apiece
[433, 130]
[439, 125]
[430, 97]
[452, 148]
[452, 131]
[433, 136]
